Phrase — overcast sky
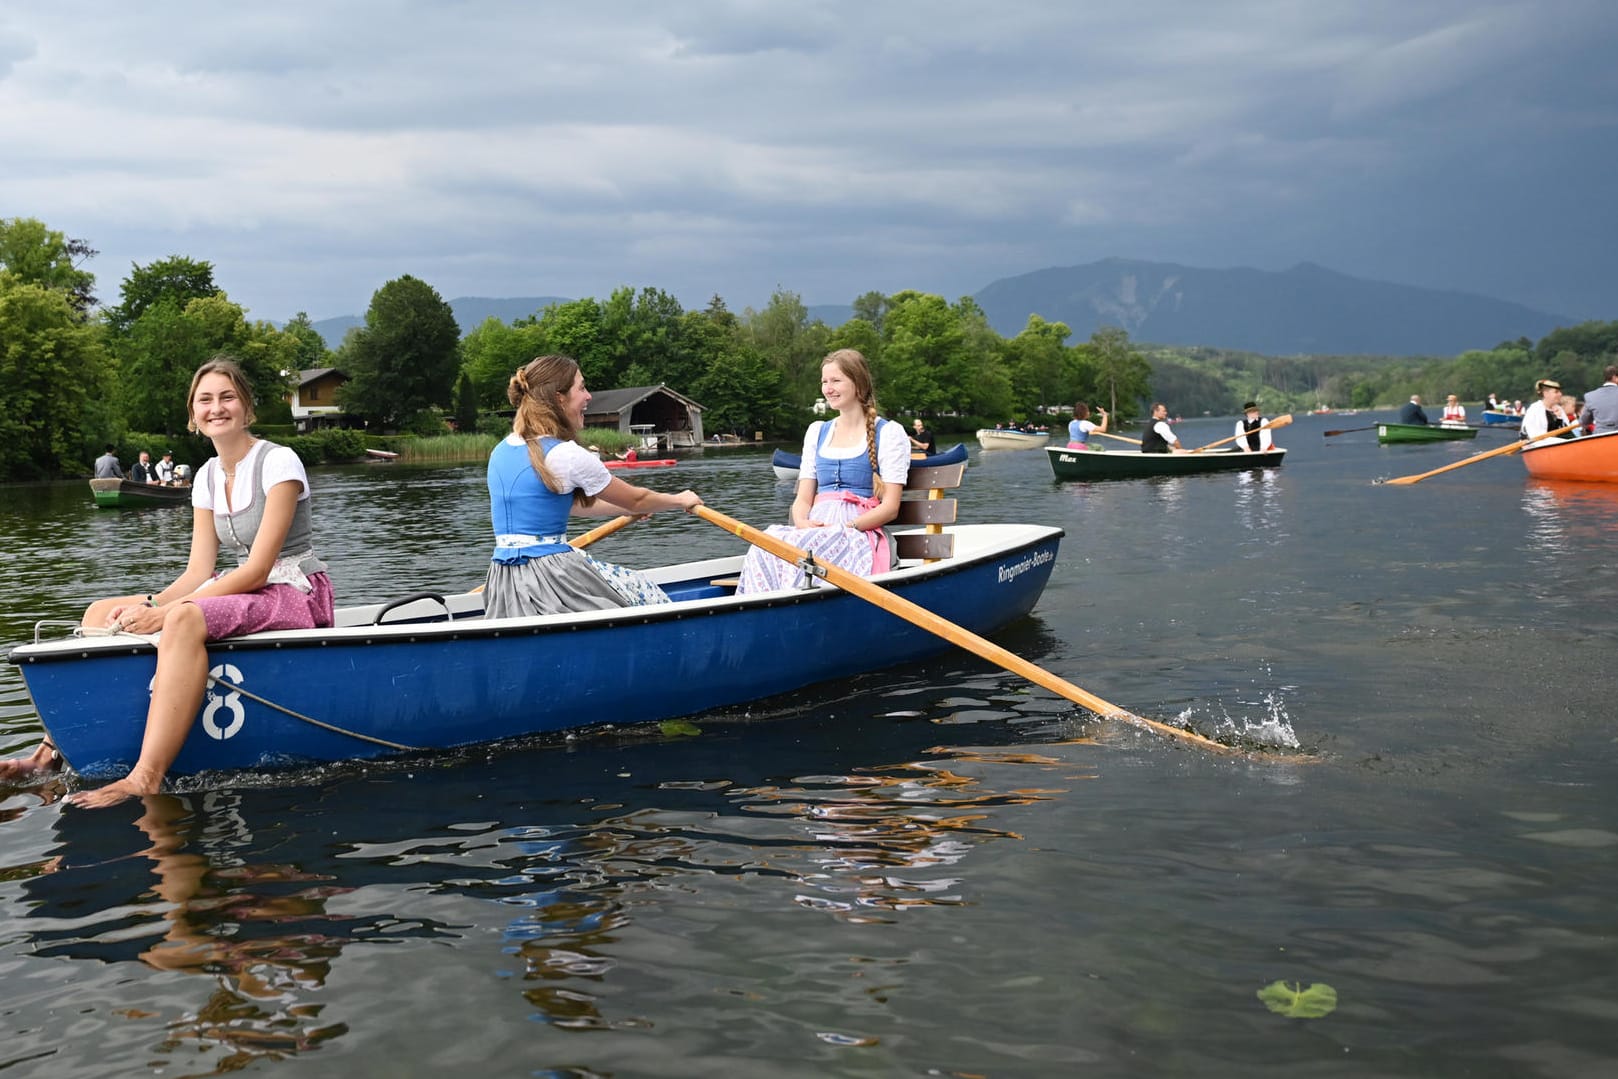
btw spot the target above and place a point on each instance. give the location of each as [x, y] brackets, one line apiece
[313, 151]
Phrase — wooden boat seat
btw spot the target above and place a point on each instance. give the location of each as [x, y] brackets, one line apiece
[924, 504]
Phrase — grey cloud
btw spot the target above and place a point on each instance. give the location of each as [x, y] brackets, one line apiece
[827, 147]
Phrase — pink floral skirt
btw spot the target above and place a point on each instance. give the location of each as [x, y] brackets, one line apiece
[275, 606]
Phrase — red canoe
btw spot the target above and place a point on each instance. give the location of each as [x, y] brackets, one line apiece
[665, 462]
[1593, 458]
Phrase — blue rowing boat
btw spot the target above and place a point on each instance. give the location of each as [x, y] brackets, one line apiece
[431, 673]
[786, 464]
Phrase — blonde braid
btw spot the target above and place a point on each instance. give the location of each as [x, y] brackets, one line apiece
[870, 442]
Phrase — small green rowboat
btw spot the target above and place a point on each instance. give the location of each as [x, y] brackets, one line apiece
[1132, 464]
[1416, 432]
[116, 493]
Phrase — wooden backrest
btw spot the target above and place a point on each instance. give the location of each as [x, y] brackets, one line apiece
[924, 504]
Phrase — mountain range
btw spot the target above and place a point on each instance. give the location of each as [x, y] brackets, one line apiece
[1307, 309]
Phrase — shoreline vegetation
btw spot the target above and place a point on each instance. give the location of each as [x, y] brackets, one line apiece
[79, 373]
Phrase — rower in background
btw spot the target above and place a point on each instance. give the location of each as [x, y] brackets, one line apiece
[1544, 414]
[1248, 433]
[1411, 411]
[1600, 412]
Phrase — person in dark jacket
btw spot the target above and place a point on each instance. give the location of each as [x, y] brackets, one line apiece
[1412, 412]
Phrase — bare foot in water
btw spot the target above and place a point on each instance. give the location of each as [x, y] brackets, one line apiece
[44, 758]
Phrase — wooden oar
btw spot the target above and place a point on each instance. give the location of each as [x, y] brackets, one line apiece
[1502, 451]
[1120, 438]
[601, 531]
[1279, 421]
[1350, 430]
[598, 532]
[918, 615]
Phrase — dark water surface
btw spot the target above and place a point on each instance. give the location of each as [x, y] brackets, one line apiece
[936, 870]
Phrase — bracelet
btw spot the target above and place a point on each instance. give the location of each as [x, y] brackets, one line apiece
[149, 601]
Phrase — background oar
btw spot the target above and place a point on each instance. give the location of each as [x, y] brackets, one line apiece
[598, 532]
[1349, 430]
[1279, 421]
[920, 616]
[1502, 451]
[1120, 438]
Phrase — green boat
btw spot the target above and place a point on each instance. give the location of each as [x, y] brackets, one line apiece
[1416, 432]
[123, 493]
[1133, 464]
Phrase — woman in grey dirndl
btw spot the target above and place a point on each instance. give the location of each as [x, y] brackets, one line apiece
[538, 475]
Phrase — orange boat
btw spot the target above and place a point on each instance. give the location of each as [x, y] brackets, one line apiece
[1593, 459]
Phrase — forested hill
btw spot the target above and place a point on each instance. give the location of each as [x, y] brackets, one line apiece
[1305, 310]
[470, 312]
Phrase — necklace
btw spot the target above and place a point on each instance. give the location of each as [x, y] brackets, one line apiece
[230, 469]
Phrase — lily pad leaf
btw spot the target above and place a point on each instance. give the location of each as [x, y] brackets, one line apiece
[675, 727]
[1295, 1002]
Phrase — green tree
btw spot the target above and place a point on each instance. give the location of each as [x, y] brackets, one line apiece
[742, 392]
[160, 351]
[576, 329]
[784, 335]
[44, 257]
[1122, 377]
[54, 377]
[175, 278]
[940, 357]
[1043, 371]
[870, 307]
[406, 357]
[310, 352]
[642, 333]
[492, 352]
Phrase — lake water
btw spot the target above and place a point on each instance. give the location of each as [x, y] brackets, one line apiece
[935, 870]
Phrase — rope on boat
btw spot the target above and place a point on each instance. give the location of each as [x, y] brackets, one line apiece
[322, 724]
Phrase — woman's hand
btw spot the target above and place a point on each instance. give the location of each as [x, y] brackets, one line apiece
[136, 618]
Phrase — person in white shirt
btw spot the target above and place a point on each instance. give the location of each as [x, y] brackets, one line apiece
[1545, 414]
[1159, 436]
[1249, 435]
[1454, 411]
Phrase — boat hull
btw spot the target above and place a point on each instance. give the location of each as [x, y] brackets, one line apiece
[1593, 459]
[1493, 418]
[124, 493]
[661, 462]
[1387, 433]
[786, 465]
[991, 439]
[439, 684]
[1132, 464]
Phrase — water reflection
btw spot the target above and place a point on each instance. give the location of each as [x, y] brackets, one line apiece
[249, 895]
[1260, 518]
[198, 898]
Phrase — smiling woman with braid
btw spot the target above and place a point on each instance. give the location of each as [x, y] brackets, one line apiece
[853, 474]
